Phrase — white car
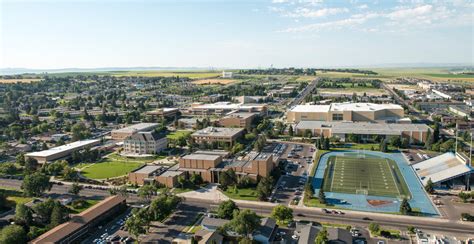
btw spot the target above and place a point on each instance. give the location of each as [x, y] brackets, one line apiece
[295, 237]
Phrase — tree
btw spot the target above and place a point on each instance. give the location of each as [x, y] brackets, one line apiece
[264, 188]
[308, 191]
[327, 145]
[58, 215]
[79, 132]
[436, 132]
[395, 141]
[405, 143]
[429, 140]
[20, 159]
[13, 234]
[226, 209]
[322, 237]
[405, 207]
[322, 196]
[30, 165]
[23, 214]
[429, 187]
[290, 130]
[43, 210]
[383, 146]
[464, 196]
[181, 180]
[35, 184]
[245, 222]
[227, 178]
[374, 228]
[196, 179]
[307, 133]
[146, 192]
[136, 225]
[75, 189]
[282, 213]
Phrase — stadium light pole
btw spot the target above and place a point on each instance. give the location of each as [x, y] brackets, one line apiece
[456, 136]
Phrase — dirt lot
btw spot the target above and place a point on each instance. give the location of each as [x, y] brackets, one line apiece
[213, 81]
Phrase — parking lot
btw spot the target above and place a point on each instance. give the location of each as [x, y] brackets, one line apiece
[109, 232]
[294, 162]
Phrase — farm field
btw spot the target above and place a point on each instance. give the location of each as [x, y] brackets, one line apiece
[189, 74]
[24, 80]
[370, 176]
[349, 91]
[214, 81]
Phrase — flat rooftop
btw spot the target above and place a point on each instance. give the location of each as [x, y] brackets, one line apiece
[78, 221]
[361, 127]
[218, 131]
[172, 173]
[241, 115]
[362, 107]
[63, 148]
[441, 168]
[148, 169]
[136, 127]
[196, 156]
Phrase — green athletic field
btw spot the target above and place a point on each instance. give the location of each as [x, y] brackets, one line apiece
[364, 175]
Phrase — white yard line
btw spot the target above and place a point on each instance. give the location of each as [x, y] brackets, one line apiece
[393, 177]
[333, 172]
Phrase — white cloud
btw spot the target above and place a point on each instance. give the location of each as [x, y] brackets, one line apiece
[410, 12]
[279, 1]
[310, 13]
[363, 6]
[332, 25]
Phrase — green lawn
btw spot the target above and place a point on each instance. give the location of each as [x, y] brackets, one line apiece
[14, 196]
[114, 165]
[109, 168]
[175, 135]
[242, 194]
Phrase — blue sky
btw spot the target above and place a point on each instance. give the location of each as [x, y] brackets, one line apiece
[238, 34]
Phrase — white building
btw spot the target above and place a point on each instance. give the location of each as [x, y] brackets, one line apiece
[226, 74]
[148, 142]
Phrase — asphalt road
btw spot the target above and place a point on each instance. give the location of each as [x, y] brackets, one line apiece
[304, 93]
[356, 219]
[455, 228]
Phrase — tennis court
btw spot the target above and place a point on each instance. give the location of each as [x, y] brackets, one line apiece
[358, 174]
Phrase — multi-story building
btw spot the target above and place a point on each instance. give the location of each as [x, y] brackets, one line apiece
[416, 133]
[163, 113]
[222, 108]
[150, 174]
[145, 142]
[243, 120]
[121, 134]
[368, 112]
[217, 134]
[62, 152]
[209, 166]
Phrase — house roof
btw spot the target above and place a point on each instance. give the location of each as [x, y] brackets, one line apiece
[339, 235]
[267, 227]
[213, 222]
[308, 234]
